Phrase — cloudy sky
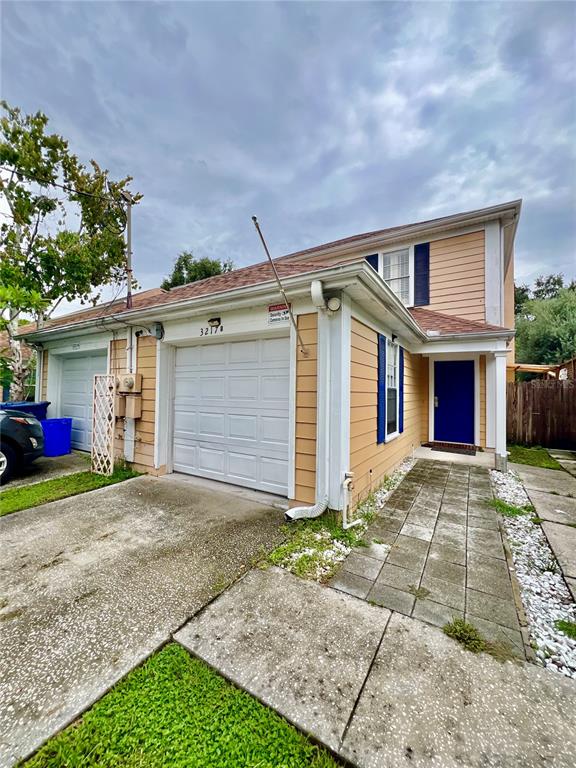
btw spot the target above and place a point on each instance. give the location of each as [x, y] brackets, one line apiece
[324, 119]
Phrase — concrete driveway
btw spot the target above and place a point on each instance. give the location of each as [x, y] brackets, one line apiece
[48, 468]
[93, 584]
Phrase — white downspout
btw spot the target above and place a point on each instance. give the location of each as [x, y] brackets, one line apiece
[321, 505]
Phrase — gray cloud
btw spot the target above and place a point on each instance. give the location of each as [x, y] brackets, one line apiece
[325, 119]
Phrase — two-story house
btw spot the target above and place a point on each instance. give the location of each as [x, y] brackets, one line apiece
[394, 338]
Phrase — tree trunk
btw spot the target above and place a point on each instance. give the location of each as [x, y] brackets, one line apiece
[18, 366]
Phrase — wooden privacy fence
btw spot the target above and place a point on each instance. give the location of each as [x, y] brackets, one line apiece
[542, 412]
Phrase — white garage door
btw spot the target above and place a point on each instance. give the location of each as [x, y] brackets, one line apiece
[76, 395]
[231, 412]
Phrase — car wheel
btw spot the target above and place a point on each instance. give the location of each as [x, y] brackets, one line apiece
[7, 463]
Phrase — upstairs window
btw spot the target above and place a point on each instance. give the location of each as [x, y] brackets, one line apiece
[396, 272]
[396, 268]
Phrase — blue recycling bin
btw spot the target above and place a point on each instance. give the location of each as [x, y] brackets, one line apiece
[39, 410]
[57, 436]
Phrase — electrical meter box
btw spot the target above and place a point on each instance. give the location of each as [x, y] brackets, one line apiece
[130, 383]
[133, 407]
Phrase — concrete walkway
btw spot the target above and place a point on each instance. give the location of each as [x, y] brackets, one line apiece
[553, 494]
[566, 459]
[93, 584]
[435, 553]
[378, 688]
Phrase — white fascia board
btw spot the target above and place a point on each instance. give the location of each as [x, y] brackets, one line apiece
[461, 345]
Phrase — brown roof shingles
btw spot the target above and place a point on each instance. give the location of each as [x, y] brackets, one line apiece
[156, 297]
[445, 325]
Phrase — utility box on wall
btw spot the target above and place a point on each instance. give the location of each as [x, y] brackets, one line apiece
[133, 406]
[129, 383]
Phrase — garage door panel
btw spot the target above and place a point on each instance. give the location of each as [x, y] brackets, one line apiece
[243, 427]
[212, 459]
[77, 383]
[211, 425]
[273, 471]
[244, 352]
[274, 388]
[243, 388]
[231, 413]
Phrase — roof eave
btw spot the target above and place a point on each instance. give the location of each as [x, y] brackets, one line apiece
[457, 221]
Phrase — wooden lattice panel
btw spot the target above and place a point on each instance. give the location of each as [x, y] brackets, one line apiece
[103, 421]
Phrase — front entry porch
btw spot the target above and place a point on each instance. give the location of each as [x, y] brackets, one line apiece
[467, 402]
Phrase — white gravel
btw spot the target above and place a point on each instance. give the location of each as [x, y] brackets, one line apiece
[545, 595]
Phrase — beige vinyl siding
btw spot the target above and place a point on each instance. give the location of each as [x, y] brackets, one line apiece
[369, 461]
[482, 377]
[146, 365]
[144, 433]
[457, 276]
[306, 394]
[44, 379]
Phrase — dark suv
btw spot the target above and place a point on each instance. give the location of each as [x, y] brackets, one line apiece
[21, 441]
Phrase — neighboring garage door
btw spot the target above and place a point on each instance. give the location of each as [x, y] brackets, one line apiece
[231, 412]
[76, 395]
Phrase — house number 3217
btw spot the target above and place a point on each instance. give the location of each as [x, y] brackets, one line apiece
[210, 330]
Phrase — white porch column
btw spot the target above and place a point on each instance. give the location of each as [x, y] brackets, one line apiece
[500, 410]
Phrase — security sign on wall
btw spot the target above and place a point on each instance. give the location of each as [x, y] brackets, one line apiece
[278, 313]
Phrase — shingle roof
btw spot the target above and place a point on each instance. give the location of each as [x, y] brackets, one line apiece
[445, 325]
[156, 297]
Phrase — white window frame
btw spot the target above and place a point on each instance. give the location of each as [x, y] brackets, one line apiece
[396, 433]
[410, 249]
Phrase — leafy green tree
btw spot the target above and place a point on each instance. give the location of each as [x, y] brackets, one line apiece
[188, 269]
[62, 229]
[548, 287]
[546, 329]
[521, 296]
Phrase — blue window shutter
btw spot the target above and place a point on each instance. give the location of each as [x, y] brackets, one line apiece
[401, 392]
[373, 261]
[381, 417]
[421, 274]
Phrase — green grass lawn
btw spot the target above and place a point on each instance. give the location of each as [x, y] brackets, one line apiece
[535, 457]
[26, 496]
[175, 712]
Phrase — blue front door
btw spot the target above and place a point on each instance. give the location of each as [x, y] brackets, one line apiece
[454, 401]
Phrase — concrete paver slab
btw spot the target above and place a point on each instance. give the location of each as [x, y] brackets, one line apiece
[435, 613]
[360, 565]
[492, 608]
[302, 649]
[92, 584]
[352, 584]
[562, 539]
[555, 508]
[571, 586]
[392, 598]
[427, 702]
[546, 480]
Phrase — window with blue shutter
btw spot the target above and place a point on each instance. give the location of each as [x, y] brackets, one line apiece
[401, 392]
[373, 261]
[381, 402]
[421, 274]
